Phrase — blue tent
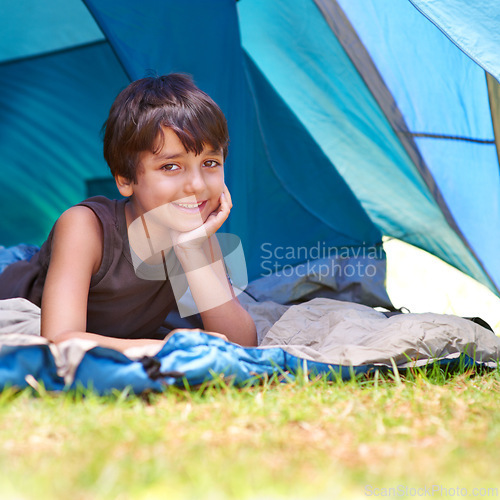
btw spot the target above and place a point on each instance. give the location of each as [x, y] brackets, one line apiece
[349, 119]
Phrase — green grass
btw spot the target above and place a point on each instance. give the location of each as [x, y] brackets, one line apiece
[299, 440]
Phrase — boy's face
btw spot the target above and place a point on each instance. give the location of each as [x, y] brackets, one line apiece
[186, 186]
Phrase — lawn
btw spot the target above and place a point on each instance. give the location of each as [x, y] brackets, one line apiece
[423, 434]
[296, 440]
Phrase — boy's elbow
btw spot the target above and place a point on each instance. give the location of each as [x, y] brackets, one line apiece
[57, 338]
[252, 343]
[250, 334]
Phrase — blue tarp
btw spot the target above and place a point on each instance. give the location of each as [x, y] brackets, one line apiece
[188, 359]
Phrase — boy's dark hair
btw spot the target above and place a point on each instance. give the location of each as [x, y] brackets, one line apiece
[141, 109]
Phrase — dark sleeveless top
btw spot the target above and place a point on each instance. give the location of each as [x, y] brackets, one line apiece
[120, 304]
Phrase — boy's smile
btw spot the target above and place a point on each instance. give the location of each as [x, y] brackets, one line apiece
[191, 207]
[187, 186]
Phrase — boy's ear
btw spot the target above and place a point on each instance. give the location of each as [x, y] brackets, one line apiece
[124, 185]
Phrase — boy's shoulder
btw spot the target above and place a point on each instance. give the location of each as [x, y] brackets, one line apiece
[98, 218]
[105, 208]
[97, 213]
[100, 200]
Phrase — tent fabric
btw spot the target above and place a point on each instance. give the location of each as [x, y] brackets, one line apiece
[331, 94]
[49, 135]
[443, 97]
[474, 30]
[334, 339]
[361, 59]
[310, 142]
[28, 31]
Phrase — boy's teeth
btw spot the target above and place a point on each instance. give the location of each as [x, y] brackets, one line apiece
[190, 205]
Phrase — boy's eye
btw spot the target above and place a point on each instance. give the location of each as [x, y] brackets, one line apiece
[211, 163]
[170, 167]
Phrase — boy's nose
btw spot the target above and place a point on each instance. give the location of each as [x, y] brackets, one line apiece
[195, 184]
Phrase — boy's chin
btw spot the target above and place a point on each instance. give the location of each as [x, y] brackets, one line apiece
[184, 226]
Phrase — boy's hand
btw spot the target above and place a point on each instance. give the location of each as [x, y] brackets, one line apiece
[194, 240]
[217, 218]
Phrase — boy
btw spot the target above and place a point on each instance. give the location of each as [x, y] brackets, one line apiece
[165, 142]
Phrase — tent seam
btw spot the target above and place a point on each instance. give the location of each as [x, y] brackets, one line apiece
[53, 52]
[429, 135]
[125, 70]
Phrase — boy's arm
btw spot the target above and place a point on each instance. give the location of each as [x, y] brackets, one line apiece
[203, 265]
[220, 310]
[76, 254]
